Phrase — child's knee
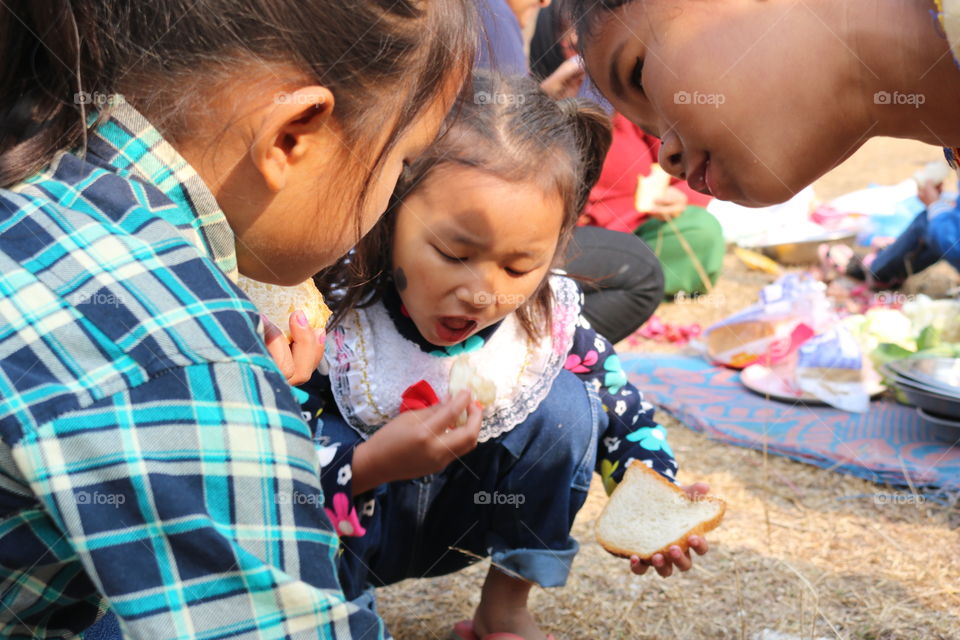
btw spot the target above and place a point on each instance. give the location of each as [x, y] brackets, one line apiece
[561, 436]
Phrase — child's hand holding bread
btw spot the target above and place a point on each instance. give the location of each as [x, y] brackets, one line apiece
[417, 443]
[294, 321]
[655, 523]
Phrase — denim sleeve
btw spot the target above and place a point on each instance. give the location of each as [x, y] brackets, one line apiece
[181, 500]
[632, 432]
[944, 230]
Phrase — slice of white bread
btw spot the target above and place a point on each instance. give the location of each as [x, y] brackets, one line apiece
[647, 514]
[277, 303]
[464, 376]
[650, 188]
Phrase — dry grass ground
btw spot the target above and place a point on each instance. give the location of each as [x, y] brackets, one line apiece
[802, 550]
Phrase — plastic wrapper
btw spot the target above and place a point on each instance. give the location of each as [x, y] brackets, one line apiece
[830, 367]
[789, 312]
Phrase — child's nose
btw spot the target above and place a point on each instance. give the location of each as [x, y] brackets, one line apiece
[671, 155]
[478, 294]
[476, 297]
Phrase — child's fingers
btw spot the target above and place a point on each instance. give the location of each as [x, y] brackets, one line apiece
[680, 559]
[307, 350]
[444, 416]
[662, 565]
[463, 440]
[278, 347]
[637, 566]
[697, 489]
[698, 544]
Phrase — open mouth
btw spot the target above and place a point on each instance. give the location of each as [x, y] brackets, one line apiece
[455, 329]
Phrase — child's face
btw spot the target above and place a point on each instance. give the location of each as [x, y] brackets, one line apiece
[747, 95]
[291, 195]
[469, 248]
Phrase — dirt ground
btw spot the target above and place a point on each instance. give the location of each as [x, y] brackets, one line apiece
[802, 551]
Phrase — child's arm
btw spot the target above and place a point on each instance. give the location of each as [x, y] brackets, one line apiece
[412, 445]
[632, 433]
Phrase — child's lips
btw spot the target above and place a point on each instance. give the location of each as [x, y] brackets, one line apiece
[455, 328]
[699, 178]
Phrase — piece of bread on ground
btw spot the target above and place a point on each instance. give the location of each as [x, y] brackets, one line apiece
[647, 514]
[277, 303]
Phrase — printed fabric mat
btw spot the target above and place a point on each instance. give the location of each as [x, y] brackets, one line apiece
[885, 445]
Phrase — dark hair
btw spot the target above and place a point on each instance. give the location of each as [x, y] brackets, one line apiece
[546, 46]
[508, 127]
[584, 15]
[382, 59]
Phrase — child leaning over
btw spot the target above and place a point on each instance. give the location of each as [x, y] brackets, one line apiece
[462, 267]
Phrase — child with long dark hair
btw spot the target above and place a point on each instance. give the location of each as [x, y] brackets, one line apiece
[151, 451]
[460, 276]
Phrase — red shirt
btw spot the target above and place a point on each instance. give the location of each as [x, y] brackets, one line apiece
[631, 155]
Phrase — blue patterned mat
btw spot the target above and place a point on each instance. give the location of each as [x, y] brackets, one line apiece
[885, 445]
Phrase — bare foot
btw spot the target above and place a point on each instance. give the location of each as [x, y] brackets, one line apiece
[518, 621]
[503, 608]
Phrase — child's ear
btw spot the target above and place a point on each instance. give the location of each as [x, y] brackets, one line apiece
[295, 126]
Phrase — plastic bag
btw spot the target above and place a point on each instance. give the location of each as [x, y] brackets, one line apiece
[830, 366]
[790, 311]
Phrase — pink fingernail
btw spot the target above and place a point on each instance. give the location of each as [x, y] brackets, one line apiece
[301, 318]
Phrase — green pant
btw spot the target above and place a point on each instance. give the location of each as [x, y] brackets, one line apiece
[704, 236]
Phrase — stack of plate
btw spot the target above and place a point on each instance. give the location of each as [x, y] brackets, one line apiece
[932, 384]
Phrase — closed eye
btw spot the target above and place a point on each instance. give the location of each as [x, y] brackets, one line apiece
[448, 257]
[636, 76]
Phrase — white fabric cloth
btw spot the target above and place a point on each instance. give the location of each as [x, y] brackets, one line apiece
[371, 365]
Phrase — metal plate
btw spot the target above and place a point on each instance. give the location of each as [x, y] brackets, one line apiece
[932, 403]
[946, 431]
[769, 383]
[803, 251]
[938, 374]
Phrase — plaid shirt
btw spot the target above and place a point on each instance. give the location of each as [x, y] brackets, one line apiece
[152, 456]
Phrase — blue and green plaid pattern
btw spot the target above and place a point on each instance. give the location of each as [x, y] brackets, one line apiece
[152, 457]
